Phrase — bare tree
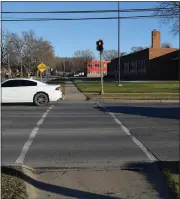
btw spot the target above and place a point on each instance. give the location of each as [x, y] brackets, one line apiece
[7, 46]
[170, 12]
[58, 64]
[4, 51]
[30, 42]
[11, 47]
[82, 58]
[44, 50]
[166, 45]
[25, 51]
[108, 55]
[65, 64]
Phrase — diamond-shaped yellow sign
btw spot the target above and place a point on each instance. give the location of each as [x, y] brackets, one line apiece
[41, 67]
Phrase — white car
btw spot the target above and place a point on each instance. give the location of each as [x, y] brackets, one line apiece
[20, 90]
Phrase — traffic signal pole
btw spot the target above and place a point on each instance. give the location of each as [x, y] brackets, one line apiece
[99, 47]
[41, 75]
[102, 86]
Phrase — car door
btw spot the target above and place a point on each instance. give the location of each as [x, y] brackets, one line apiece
[28, 88]
[9, 91]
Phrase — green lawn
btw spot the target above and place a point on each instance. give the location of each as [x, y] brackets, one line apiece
[128, 87]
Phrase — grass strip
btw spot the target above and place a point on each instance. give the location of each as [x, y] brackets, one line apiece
[171, 172]
[128, 87]
[12, 185]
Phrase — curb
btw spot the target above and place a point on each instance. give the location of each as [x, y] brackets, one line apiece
[136, 101]
[30, 189]
[28, 168]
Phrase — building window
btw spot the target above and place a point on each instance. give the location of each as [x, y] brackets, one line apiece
[117, 68]
[141, 66]
[126, 67]
[133, 67]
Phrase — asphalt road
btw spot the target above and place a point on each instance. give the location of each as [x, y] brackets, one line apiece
[156, 125]
[81, 135]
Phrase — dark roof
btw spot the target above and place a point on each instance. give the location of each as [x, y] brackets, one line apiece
[177, 55]
[131, 53]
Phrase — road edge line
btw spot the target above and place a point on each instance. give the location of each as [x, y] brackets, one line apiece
[144, 149]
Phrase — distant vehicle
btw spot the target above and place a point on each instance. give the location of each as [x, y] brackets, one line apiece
[19, 90]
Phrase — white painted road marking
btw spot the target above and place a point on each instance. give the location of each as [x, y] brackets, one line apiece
[126, 130]
[27, 145]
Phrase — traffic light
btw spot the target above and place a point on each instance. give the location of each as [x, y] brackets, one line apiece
[99, 45]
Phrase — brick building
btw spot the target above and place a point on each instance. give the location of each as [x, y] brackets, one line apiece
[153, 63]
[94, 70]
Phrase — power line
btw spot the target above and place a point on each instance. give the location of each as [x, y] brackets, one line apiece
[76, 19]
[84, 11]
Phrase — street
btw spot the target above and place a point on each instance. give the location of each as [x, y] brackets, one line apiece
[156, 125]
[81, 149]
[80, 134]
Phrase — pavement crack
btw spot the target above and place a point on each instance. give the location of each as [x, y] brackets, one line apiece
[59, 175]
[4, 130]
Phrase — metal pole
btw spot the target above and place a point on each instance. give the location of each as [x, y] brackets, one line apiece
[21, 65]
[64, 67]
[9, 69]
[102, 88]
[119, 62]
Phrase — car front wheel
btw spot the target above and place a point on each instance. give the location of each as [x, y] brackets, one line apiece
[41, 99]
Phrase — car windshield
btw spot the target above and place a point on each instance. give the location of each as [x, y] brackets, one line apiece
[39, 82]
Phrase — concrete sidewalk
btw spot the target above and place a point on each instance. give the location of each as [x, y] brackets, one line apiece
[72, 93]
[143, 183]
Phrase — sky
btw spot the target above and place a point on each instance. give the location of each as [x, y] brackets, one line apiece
[69, 36]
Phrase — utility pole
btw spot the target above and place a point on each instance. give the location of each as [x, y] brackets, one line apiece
[21, 64]
[41, 76]
[102, 86]
[119, 61]
[21, 68]
[64, 66]
[9, 68]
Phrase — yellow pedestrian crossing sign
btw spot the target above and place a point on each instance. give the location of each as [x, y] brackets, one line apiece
[41, 67]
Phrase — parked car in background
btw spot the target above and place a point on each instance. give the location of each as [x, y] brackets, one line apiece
[20, 90]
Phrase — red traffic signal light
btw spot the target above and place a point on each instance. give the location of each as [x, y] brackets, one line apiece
[99, 46]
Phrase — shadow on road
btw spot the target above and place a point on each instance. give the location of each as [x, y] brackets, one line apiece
[18, 104]
[149, 170]
[158, 112]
